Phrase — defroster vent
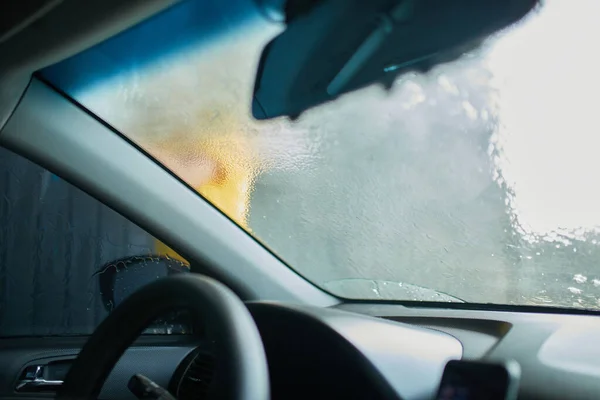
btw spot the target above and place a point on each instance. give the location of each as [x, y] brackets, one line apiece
[193, 379]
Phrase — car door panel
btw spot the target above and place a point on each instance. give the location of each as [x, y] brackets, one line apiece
[155, 357]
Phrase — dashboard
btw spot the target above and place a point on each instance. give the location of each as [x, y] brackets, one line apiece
[358, 351]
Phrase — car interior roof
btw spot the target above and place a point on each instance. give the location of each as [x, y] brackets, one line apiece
[38, 33]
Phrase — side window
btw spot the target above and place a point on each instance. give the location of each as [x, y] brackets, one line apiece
[54, 241]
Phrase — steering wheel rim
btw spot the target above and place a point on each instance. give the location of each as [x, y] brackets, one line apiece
[241, 372]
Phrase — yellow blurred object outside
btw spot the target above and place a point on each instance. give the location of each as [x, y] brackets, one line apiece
[219, 164]
[190, 112]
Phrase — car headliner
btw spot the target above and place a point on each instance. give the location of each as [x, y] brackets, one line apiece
[55, 30]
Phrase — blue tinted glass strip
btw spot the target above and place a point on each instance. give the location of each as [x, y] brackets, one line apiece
[186, 24]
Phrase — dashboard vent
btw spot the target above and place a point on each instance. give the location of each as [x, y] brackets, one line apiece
[196, 379]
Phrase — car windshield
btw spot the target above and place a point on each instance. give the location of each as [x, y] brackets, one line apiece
[474, 182]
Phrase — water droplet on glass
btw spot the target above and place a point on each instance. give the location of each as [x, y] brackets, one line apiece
[596, 282]
[575, 290]
[579, 278]
[469, 110]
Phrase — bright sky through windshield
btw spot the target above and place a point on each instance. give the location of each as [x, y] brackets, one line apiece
[476, 180]
[547, 76]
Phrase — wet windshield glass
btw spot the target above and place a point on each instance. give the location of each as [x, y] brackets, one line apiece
[473, 182]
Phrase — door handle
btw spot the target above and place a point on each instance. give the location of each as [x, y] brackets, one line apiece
[33, 381]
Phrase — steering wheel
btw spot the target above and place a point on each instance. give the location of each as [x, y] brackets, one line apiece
[241, 369]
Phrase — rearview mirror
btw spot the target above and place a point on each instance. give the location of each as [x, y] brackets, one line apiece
[332, 47]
